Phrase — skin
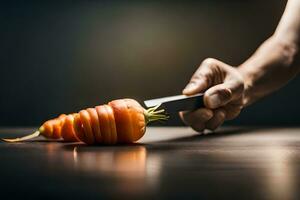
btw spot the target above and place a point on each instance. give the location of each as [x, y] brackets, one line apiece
[227, 89]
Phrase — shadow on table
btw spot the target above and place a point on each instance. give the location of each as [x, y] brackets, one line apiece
[85, 147]
[226, 132]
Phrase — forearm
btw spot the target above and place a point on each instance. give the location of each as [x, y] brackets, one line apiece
[270, 68]
[273, 64]
[288, 29]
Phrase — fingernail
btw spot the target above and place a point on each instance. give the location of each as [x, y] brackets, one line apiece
[189, 88]
[214, 101]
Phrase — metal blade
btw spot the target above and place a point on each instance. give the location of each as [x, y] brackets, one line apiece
[177, 103]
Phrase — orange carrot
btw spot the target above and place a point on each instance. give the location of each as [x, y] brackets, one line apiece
[121, 121]
[67, 129]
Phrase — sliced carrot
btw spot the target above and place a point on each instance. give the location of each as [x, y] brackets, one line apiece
[95, 124]
[67, 130]
[104, 124]
[56, 130]
[112, 123]
[123, 121]
[85, 119]
[61, 116]
[47, 129]
[137, 117]
[79, 131]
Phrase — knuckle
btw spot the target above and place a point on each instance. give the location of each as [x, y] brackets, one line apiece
[209, 61]
[200, 81]
[195, 78]
[225, 94]
[199, 75]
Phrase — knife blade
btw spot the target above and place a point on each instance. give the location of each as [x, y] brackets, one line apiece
[173, 104]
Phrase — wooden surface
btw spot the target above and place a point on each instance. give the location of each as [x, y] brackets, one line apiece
[234, 163]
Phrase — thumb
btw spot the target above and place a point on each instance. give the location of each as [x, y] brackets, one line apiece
[217, 96]
[195, 86]
[201, 78]
[220, 95]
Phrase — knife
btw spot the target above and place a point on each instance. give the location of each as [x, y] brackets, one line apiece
[174, 104]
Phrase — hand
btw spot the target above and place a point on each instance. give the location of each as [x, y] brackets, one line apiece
[223, 98]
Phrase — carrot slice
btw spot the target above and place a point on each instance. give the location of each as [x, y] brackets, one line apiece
[61, 117]
[104, 121]
[112, 123]
[78, 128]
[67, 130]
[85, 119]
[95, 124]
[56, 130]
[123, 121]
[47, 129]
[109, 135]
[137, 117]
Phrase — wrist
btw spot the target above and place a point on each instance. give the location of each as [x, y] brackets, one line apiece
[248, 85]
[273, 59]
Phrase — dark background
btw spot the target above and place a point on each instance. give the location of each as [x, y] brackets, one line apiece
[61, 57]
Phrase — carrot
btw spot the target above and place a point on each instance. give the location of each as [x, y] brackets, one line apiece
[60, 127]
[120, 121]
[105, 127]
[67, 129]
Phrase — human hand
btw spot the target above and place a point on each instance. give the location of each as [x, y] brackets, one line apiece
[223, 88]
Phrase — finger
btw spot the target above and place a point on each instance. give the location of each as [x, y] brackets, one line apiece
[219, 95]
[199, 127]
[202, 78]
[199, 116]
[233, 109]
[196, 85]
[217, 120]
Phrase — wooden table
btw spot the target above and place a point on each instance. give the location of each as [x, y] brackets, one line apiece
[175, 163]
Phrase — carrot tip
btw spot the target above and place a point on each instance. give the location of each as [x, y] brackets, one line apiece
[27, 137]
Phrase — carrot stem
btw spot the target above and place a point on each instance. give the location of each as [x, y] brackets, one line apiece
[27, 137]
[152, 114]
